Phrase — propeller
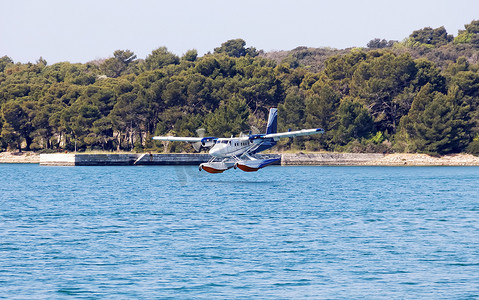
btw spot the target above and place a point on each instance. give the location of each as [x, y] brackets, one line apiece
[201, 134]
[254, 130]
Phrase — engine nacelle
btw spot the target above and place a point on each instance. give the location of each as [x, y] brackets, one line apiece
[208, 142]
[256, 138]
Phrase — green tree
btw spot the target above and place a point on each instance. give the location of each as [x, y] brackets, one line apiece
[460, 65]
[18, 124]
[340, 69]
[119, 64]
[436, 124]
[42, 131]
[236, 48]
[160, 58]
[80, 120]
[321, 106]
[428, 72]
[470, 35]
[322, 103]
[78, 74]
[2, 142]
[190, 55]
[354, 122]
[5, 61]
[430, 37]
[473, 27]
[208, 66]
[10, 138]
[377, 82]
[467, 85]
[231, 118]
[199, 94]
[378, 44]
[291, 111]
[103, 133]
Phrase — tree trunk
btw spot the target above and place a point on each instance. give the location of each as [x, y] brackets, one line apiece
[28, 141]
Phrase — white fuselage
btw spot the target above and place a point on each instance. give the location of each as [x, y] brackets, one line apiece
[232, 147]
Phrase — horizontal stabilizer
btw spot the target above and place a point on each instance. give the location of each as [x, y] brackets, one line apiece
[277, 136]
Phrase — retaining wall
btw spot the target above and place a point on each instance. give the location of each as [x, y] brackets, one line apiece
[72, 159]
[172, 159]
[62, 159]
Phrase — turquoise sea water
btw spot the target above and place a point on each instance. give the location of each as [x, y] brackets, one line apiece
[282, 233]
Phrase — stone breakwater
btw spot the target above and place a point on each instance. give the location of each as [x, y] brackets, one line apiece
[321, 159]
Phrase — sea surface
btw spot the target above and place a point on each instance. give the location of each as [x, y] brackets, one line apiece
[159, 232]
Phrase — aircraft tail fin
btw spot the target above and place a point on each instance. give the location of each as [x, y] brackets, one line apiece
[272, 126]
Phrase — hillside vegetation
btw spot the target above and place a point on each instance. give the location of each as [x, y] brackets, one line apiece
[418, 95]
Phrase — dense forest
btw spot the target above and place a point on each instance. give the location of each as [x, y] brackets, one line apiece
[417, 95]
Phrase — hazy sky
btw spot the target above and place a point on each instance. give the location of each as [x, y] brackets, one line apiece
[84, 30]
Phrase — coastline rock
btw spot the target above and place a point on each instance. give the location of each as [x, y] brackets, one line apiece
[329, 159]
[375, 159]
[404, 159]
[19, 158]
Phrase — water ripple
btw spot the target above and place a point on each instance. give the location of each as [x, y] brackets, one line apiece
[283, 232]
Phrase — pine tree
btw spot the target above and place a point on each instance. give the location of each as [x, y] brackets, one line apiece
[437, 123]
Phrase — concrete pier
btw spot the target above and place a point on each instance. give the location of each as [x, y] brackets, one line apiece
[72, 159]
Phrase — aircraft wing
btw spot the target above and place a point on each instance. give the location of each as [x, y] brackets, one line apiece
[178, 139]
[280, 135]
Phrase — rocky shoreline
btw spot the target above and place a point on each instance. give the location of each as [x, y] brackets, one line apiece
[326, 159]
[19, 158]
[405, 159]
[376, 159]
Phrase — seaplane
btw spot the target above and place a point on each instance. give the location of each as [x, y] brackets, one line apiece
[241, 152]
